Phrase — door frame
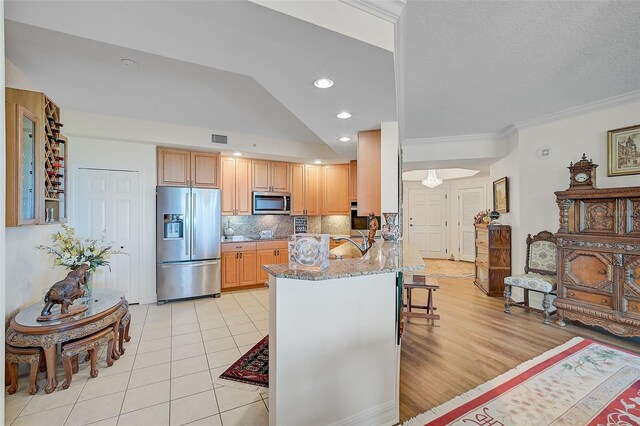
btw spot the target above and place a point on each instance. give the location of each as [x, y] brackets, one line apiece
[141, 245]
[405, 219]
[483, 202]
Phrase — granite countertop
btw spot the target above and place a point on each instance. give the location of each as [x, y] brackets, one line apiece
[382, 258]
[251, 239]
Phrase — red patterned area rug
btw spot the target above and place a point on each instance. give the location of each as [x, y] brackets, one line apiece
[579, 383]
[251, 371]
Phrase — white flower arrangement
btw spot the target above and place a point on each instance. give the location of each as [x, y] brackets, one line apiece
[71, 252]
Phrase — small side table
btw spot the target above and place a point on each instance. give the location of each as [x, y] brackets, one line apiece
[425, 283]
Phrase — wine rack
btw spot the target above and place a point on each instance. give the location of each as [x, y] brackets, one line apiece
[55, 149]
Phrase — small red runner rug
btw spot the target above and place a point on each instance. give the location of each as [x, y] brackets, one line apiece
[253, 367]
[579, 383]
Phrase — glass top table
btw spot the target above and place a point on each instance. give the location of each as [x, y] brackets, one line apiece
[101, 300]
[105, 309]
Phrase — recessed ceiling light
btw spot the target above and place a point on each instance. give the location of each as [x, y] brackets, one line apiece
[344, 115]
[317, 162]
[323, 83]
[237, 154]
[344, 139]
[128, 63]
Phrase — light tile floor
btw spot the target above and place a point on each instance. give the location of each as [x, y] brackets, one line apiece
[168, 374]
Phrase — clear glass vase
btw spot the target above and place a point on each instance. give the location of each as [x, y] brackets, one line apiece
[88, 283]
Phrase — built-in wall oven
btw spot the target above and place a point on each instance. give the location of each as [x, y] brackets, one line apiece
[271, 203]
[360, 223]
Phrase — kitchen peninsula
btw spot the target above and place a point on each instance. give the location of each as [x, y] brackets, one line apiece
[334, 346]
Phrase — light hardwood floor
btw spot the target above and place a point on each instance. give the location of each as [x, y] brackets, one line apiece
[473, 342]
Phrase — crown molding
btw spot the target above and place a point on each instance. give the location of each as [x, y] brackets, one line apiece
[582, 109]
[389, 10]
[484, 137]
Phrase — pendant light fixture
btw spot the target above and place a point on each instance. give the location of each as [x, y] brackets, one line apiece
[432, 180]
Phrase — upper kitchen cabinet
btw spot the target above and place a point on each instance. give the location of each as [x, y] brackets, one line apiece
[368, 184]
[271, 176]
[36, 160]
[179, 167]
[205, 169]
[236, 186]
[353, 180]
[336, 189]
[306, 189]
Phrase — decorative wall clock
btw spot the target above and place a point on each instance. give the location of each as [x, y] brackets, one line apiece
[583, 174]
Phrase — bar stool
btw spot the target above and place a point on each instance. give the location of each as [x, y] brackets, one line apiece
[429, 284]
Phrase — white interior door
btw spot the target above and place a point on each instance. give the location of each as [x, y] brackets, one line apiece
[108, 202]
[428, 221]
[470, 202]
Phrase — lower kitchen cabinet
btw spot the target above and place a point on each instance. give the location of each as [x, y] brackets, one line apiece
[239, 265]
[270, 253]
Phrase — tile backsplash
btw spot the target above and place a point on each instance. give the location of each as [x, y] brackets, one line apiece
[281, 225]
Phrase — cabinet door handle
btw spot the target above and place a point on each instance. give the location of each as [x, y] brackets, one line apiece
[240, 255]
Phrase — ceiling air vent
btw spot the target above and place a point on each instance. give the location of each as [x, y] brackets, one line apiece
[219, 139]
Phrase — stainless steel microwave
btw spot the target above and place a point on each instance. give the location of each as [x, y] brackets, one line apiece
[271, 203]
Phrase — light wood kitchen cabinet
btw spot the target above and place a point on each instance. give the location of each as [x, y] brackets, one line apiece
[239, 264]
[297, 190]
[368, 184]
[179, 167]
[271, 176]
[306, 189]
[353, 180]
[230, 271]
[336, 190]
[247, 268]
[236, 186]
[271, 253]
[174, 167]
[205, 169]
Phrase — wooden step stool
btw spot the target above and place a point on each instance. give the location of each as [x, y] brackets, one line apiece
[429, 284]
[15, 356]
[91, 344]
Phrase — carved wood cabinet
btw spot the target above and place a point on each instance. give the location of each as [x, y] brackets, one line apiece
[493, 258]
[599, 258]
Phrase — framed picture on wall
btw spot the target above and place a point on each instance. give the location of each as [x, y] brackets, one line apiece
[501, 195]
[624, 151]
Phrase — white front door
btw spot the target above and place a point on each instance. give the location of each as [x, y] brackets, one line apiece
[427, 221]
[470, 202]
[107, 202]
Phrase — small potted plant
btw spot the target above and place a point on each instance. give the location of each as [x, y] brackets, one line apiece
[482, 216]
[71, 252]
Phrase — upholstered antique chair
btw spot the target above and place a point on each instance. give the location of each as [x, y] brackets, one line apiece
[539, 273]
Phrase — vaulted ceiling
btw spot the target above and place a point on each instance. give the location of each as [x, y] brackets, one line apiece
[225, 65]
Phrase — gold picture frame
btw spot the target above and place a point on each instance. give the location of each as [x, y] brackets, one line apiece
[501, 195]
[623, 154]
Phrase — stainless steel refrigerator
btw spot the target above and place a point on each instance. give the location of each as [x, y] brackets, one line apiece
[187, 242]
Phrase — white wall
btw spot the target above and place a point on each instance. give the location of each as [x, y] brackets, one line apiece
[28, 271]
[105, 154]
[453, 188]
[533, 181]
